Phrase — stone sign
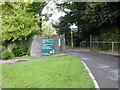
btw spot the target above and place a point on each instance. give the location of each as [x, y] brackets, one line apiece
[48, 47]
[44, 46]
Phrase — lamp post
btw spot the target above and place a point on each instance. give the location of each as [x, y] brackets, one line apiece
[71, 38]
[73, 29]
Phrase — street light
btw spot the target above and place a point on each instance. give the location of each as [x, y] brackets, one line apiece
[71, 37]
[73, 29]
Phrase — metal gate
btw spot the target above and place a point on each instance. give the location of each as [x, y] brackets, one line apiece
[62, 43]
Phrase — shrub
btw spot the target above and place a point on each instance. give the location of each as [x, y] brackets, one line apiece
[7, 55]
[19, 50]
[84, 44]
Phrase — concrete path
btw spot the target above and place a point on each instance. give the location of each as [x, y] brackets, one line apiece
[103, 67]
[17, 60]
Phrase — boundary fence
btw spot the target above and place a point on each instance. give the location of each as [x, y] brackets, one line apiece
[105, 45]
[96, 44]
[111, 44]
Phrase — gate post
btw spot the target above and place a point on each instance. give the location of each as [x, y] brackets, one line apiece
[112, 46]
[63, 42]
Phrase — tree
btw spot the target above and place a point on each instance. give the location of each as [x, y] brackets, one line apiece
[47, 30]
[20, 20]
[91, 18]
[36, 8]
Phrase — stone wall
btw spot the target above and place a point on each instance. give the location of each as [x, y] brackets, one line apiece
[36, 49]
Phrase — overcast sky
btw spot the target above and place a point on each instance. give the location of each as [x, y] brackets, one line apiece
[50, 8]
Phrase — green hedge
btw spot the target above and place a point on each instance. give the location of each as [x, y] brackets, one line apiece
[84, 44]
[7, 55]
[19, 50]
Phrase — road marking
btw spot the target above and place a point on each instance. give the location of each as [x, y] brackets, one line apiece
[84, 58]
[92, 77]
[74, 50]
[104, 67]
[83, 50]
[112, 73]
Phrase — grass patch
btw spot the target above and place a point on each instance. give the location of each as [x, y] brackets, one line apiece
[48, 72]
[31, 57]
[25, 57]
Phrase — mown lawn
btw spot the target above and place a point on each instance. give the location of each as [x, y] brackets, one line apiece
[48, 72]
[25, 57]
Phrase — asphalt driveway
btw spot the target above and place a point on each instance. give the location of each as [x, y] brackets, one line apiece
[103, 67]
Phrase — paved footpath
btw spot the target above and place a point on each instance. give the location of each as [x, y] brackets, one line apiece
[103, 67]
[16, 60]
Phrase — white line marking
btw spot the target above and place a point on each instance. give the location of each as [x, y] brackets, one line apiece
[84, 58]
[74, 50]
[92, 77]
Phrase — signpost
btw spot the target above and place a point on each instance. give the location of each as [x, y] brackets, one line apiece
[48, 47]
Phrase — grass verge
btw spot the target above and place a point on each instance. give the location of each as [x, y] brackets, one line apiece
[25, 57]
[49, 72]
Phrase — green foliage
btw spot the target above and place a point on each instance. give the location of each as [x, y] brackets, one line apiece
[7, 55]
[36, 7]
[110, 34]
[19, 50]
[117, 47]
[103, 46]
[47, 30]
[84, 44]
[19, 21]
[91, 18]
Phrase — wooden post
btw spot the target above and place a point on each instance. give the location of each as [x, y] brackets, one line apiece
[90, 43]
[112, 46]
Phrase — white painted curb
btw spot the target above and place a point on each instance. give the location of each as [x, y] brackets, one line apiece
[91, 75]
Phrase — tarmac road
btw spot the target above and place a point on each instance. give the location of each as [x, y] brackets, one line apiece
[103, 67]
